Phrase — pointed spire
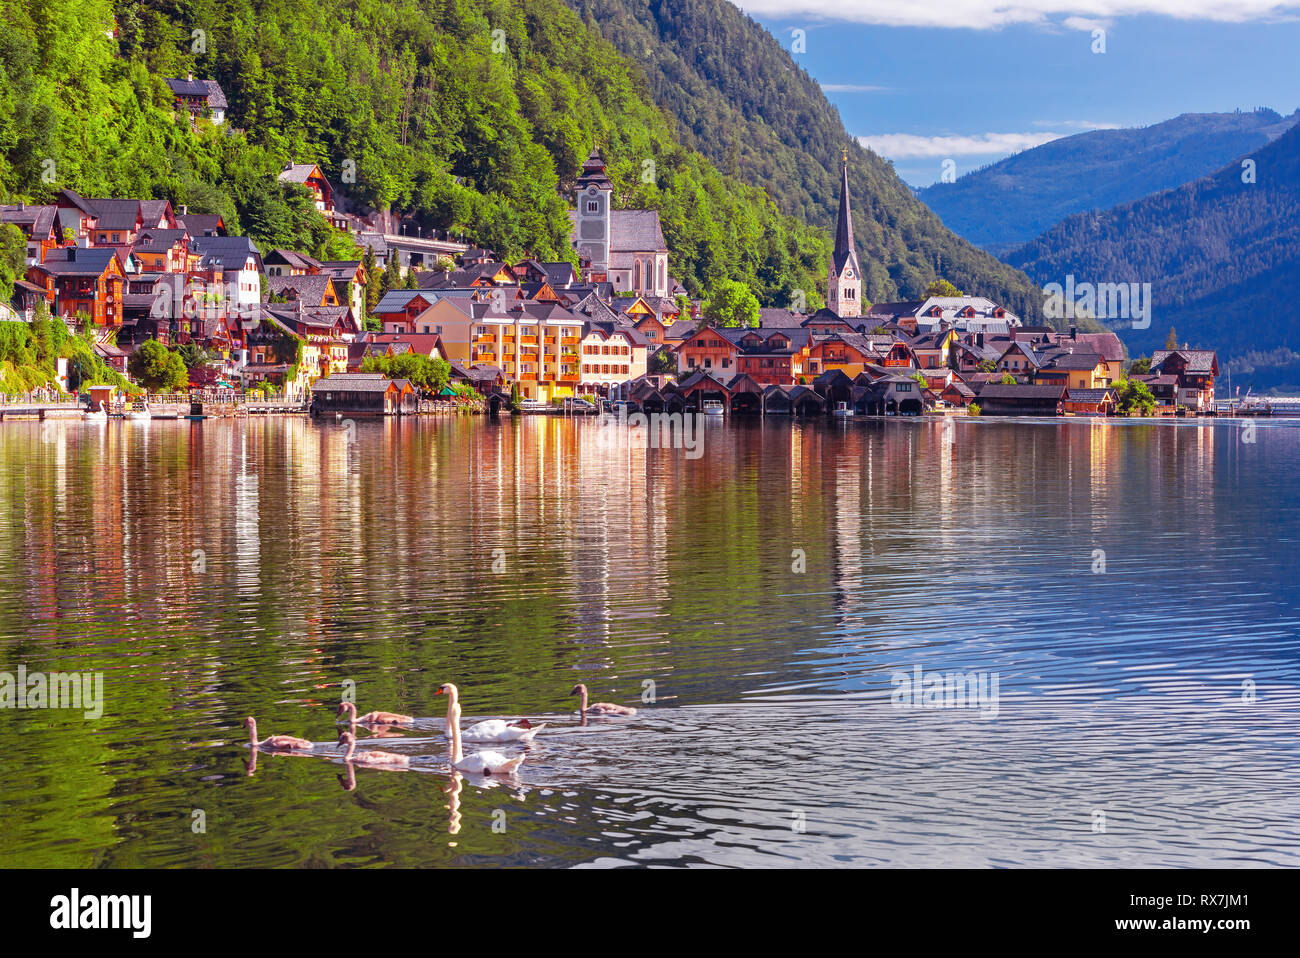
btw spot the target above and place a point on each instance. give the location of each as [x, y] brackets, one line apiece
[844, 226]
[844, 248]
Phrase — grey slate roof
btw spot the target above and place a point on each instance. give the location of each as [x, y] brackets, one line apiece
[229, 250]
[634, 231]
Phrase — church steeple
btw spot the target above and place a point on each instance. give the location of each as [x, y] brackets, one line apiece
[844, 282]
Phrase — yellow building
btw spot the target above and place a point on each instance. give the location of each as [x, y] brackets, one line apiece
[535, 345]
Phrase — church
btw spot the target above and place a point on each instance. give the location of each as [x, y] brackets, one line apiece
[622, 247]
[844, 282]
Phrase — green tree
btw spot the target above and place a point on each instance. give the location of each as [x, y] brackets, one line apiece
[1135, 399]
[941, 287]
[13, 259]
[731, 304]
[1140, 366]
[157, 368]
[1007, 379]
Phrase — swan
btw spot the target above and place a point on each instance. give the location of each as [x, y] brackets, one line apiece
[599, 708]
[141, 414]
[275, 743]
[480, 763]
[499, 730]
[371, 756]
[373, 718]
[97, 415]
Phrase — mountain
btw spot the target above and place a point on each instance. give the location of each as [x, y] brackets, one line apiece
[740, 99]
[474, 115]
[1222, 255]
[1008, 203]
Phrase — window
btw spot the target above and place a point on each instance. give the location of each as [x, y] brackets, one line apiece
[593, 206]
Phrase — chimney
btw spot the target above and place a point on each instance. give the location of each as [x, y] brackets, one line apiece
[184, 210]
[979, 340]
[190, 77]
[1074, 331]
[72, 254]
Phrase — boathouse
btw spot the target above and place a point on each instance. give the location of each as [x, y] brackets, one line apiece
[997, 399]
[362, 394]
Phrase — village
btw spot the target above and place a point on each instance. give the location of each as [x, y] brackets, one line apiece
[535, 336]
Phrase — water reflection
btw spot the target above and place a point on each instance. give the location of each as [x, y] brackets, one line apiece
[215, 570]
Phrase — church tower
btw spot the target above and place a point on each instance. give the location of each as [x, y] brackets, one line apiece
[591, 222]
[844, 286]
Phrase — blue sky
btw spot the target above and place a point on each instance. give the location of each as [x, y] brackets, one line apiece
[1002, 77]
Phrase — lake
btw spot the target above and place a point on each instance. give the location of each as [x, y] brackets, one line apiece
[792, 612]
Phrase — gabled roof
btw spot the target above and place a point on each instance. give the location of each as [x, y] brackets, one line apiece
[291, 258]
[227, 250]
[299, 172]
[77, 261]
[634, 231]
[36, 221]
[1197, 360]
[115, 214]
[1090, 395]
[310, 289]
[202, 224]
[396, 300]
[1074, 361]
[157, 240]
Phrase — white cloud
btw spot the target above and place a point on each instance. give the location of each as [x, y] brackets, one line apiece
[900, 146]
[852, 88]
[1085, 24]
[991, 14]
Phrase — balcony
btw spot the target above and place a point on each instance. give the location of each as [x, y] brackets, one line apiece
[528, 340]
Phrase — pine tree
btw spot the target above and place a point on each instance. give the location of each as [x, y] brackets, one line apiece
[1171, 341]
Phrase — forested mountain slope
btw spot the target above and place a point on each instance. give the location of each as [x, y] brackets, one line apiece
[1222, 255]
[1008, 203]
[740, 99]
[473, 114]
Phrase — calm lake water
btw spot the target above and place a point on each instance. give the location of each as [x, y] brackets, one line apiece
[1131, 587]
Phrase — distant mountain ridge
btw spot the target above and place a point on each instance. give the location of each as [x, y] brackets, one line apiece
[1009, 203]
[1222, 254]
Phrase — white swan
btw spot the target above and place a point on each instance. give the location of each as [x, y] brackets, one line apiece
[499, 730]
[480, 763]
[141, 414]
[97, 415]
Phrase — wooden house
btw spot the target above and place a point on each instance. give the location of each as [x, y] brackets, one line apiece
[362, 394]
